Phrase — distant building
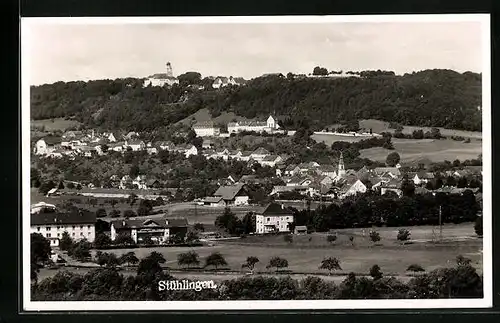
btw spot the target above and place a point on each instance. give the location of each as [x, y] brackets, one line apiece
[270, 125]
[162, 79]
[206, 129]
[79, 225]
[186, 149]
[47, 145]
[273, 218]
[393, 185]
[222, 81]
[159, 230]
[135, 145]
[42, 207]
[230, 195]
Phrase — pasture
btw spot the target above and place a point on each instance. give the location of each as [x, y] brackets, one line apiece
[378, 126]
[435, 150]
[54, 124]
[304, 256]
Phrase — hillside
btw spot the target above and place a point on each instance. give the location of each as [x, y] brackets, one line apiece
[430, 98]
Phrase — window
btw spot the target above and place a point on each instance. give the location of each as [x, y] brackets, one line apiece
[81, 234]
[47, 228]
[38, 229]
[268, 219]
[58, 235]
[73, 234]
[58, 227]
[81, 227]
[48, 235]
[89, 233]
[88, 227]
[73, 227]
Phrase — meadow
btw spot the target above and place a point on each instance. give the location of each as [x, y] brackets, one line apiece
[54, 124]
[304, 256]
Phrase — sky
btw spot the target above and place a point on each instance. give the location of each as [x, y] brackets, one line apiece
[69, 52]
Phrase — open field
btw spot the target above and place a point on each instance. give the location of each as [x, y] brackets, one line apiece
[435, 150]
[305, 256]
[54, 124]
[204, 115]
[329, 139]
[378, 126]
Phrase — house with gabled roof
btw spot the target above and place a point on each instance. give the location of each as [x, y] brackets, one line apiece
[158, 230]
[47, 144]
[421, 178]
[394, 185]
[78, 224]
[260, 153]
[186, 149]
[394, 172]
[222, 81]
[114, 137]
[273, 218]
[233, 194]
[271, 160]
[327, 170]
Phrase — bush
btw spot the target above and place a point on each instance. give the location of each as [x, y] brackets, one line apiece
[114, 213]
[375, 272]
[331, 238]
[100, 213]
[374, 236]
[415, 268]
[478, 226]
[128, 214]
[403, 235]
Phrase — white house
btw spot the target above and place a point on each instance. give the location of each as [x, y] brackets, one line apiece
[79, 225]
[135, 145]
[42, 206]
[274, 218]
[353, 187]
[270, 125]
[47, 145]
[271, 160]
[206, 129]
[222, 81]
[259, 154]
[187, 150]
[158, 230]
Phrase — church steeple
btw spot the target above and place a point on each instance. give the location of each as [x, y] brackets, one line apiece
[341, 168]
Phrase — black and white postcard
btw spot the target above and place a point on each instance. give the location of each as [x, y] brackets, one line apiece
[251, 163]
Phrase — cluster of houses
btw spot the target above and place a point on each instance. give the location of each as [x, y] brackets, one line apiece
[90, 143]
[210, 129]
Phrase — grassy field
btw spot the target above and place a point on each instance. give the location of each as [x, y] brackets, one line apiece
[54, 124]
[378, 126]
[305, 256]
[435, 150]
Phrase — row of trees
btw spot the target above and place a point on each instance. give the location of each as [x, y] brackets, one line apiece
[367, 210]
[461, 281]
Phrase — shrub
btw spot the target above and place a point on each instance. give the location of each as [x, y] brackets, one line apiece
[415, 268]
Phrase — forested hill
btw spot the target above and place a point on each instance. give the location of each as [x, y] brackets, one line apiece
[435, 98]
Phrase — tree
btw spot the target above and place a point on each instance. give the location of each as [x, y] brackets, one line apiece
[229, 222]
[128, 214]
[463, 261]
[407, 187]
[374, 236]
[330, 263]
[151, 264]
[177, 238]
[248, 223]
[278, 263]
[100, 213]
[415, 268]
[392, 159]
[192, 236]
[403, 235]
[40, 248]
[61, 185]
[81, 250]
[66, 243]
[288, 238]
[375, 272]
[147, 240]
[134, 171]
[189, 78]
[351, 238]
[188, 259]
[320, 71]
[199, 227]
[114, 213]
[478, 226]
[102, 240]
[123, 239]
[106, 259]
[331, 238]
[250, 263]
[216, 260]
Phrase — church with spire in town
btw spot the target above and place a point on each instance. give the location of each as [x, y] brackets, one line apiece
[162, 79]
[341, 168]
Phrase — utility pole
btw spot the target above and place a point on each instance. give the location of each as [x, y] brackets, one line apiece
[440, 226]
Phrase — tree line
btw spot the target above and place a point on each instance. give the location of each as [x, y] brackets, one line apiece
[430, 98]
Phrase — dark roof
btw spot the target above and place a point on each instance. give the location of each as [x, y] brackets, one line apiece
[276, 209]
[229, 192]
[82, 217]
[52, 140]
[212, 199]
[145, 223]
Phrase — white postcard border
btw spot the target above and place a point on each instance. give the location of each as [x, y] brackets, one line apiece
[486, 301]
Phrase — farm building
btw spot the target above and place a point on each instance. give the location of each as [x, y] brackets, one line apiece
[232, 194]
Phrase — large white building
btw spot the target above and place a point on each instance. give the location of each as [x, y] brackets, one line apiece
[162, 79]
[206, 129]
[270, 125]
[274, 218]
[78, 224]
[47, 145]
[159, 230]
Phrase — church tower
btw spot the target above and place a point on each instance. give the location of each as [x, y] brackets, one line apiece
[169, 70]
[341, 170]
